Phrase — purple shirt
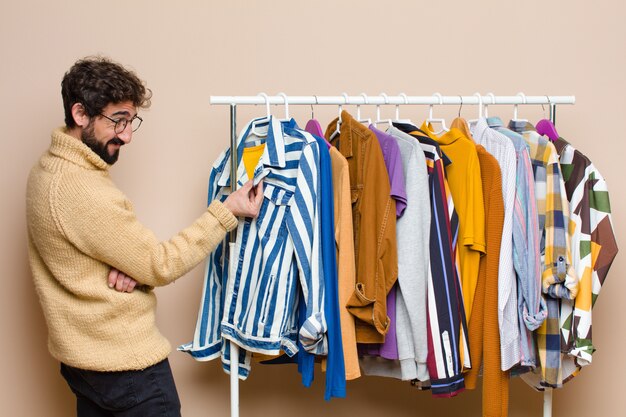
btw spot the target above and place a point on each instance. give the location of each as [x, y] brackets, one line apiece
[395, 169]
[389, 349]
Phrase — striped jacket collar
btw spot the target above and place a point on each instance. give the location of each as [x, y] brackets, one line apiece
[268, 131]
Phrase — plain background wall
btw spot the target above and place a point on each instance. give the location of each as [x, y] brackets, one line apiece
[189, 50]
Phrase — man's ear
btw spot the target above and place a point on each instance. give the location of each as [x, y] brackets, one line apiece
[80, 116]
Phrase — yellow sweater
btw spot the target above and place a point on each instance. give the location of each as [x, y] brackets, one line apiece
[79, 225]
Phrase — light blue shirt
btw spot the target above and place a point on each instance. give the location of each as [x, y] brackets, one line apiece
[532, 308]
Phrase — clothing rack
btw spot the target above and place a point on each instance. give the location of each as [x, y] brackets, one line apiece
[363, 99]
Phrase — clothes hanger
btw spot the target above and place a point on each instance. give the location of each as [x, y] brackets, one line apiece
[545, 127]
[313, 126]
[284, 96]
[398, 119]
[255, 125]
[366, 121]
[440, 120]
[339, 121]
[480, 109]
[515, 119]
[378, 119]
[486, 105]
[460, 123]
[458, 117]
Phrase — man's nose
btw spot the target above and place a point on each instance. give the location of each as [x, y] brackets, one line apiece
[126, 135]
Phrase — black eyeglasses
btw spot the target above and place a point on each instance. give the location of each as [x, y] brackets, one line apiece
[120, 124]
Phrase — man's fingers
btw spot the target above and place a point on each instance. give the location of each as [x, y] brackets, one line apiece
[125, 283]
[247, 186]
[119, 285]
[112, 277]
[258, 194]
[131, 286]
[120, 281]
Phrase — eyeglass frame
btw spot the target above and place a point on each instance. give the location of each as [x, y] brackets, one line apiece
[125, 121]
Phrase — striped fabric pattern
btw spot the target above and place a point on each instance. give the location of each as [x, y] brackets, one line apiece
[453, 342]
[448, 344]
[413, 232]
[254, 305]
[532, 308]
[503, 150]
[464, 184]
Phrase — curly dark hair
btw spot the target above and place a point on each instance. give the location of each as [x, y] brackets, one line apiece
[96, 82]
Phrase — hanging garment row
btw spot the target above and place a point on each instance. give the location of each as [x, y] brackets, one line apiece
[410, 253]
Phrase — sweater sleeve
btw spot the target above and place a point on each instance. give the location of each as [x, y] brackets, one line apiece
[100, 221]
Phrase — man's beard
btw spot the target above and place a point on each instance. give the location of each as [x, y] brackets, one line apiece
[89, 139]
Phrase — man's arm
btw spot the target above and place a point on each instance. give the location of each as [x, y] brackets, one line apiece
[98, 219]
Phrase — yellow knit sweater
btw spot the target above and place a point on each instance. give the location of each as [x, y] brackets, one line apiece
[79, 225]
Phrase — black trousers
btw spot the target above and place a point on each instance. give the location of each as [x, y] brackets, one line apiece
[147, 393]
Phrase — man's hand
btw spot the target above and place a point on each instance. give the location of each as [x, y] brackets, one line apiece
[246, 201]
[120, 281]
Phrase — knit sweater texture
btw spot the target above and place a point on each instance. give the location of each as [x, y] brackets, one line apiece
[483, 325]
[79, 226]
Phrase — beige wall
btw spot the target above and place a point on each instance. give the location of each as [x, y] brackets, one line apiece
[189, 50]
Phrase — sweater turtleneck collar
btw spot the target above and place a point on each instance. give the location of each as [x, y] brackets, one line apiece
[72, 149]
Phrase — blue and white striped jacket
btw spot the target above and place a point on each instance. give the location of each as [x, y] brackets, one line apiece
[275, 255]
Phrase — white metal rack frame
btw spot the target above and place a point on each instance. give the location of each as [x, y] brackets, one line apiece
[376, 100]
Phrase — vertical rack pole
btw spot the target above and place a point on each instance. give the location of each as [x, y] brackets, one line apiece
[547, 393]
[553, 113]
[234, 349]
[547, 402]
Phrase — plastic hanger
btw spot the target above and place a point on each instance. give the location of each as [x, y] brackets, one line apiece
[255, 125]
[366, 121]
[440, 120]
[545, 127]
[398, 119]
[515, 119]
[339, 121]
[284, 96]
[480, 109]
[314, 127]
[378, 119]
[486, 105]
